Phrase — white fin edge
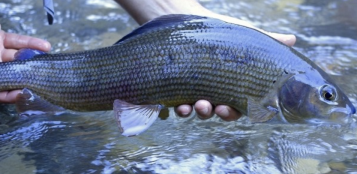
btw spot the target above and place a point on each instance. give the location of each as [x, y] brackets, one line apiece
[134, 119]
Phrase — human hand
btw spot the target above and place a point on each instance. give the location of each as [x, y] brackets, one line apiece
[9, 44]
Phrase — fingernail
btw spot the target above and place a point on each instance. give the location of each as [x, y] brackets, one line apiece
[185, 110]
[47, 45]
[222, 110]
[225, 112]
[204, 111]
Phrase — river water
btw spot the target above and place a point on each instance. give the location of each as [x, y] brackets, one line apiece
[91, 142]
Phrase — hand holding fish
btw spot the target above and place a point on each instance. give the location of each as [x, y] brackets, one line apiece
[144, 11]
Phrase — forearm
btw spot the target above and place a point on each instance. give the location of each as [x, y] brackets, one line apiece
[145, 10]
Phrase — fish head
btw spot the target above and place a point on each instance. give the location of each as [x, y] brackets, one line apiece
[312, 97]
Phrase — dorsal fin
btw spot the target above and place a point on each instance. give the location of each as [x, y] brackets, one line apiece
[159, 23]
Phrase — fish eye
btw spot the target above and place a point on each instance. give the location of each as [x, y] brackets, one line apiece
[328, 93]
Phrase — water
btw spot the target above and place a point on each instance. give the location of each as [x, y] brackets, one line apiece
[91, 143]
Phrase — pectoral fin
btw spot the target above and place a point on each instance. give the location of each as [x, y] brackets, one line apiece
[135, 119]
[258, 113]
[28, 103]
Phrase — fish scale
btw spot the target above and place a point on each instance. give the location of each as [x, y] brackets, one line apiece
[168, 62]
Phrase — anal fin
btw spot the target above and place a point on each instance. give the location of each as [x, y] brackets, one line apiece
[135, 119]
[28, 103]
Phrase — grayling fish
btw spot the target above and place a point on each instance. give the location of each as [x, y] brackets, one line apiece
[177, 59]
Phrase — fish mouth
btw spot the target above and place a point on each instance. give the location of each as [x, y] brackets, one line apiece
[342, 115]
[347, 110]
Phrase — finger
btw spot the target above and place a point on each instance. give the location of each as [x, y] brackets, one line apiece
[183, 110]
[8, 55]
[287, 39]
[16, 41]
[9, 96]
[203, 109]
[227, 113]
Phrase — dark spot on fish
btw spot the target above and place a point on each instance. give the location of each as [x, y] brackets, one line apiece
[169, 59]
[245, 57]
[274, 81]
[243, 60]
[195, 76]
[212, 50]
